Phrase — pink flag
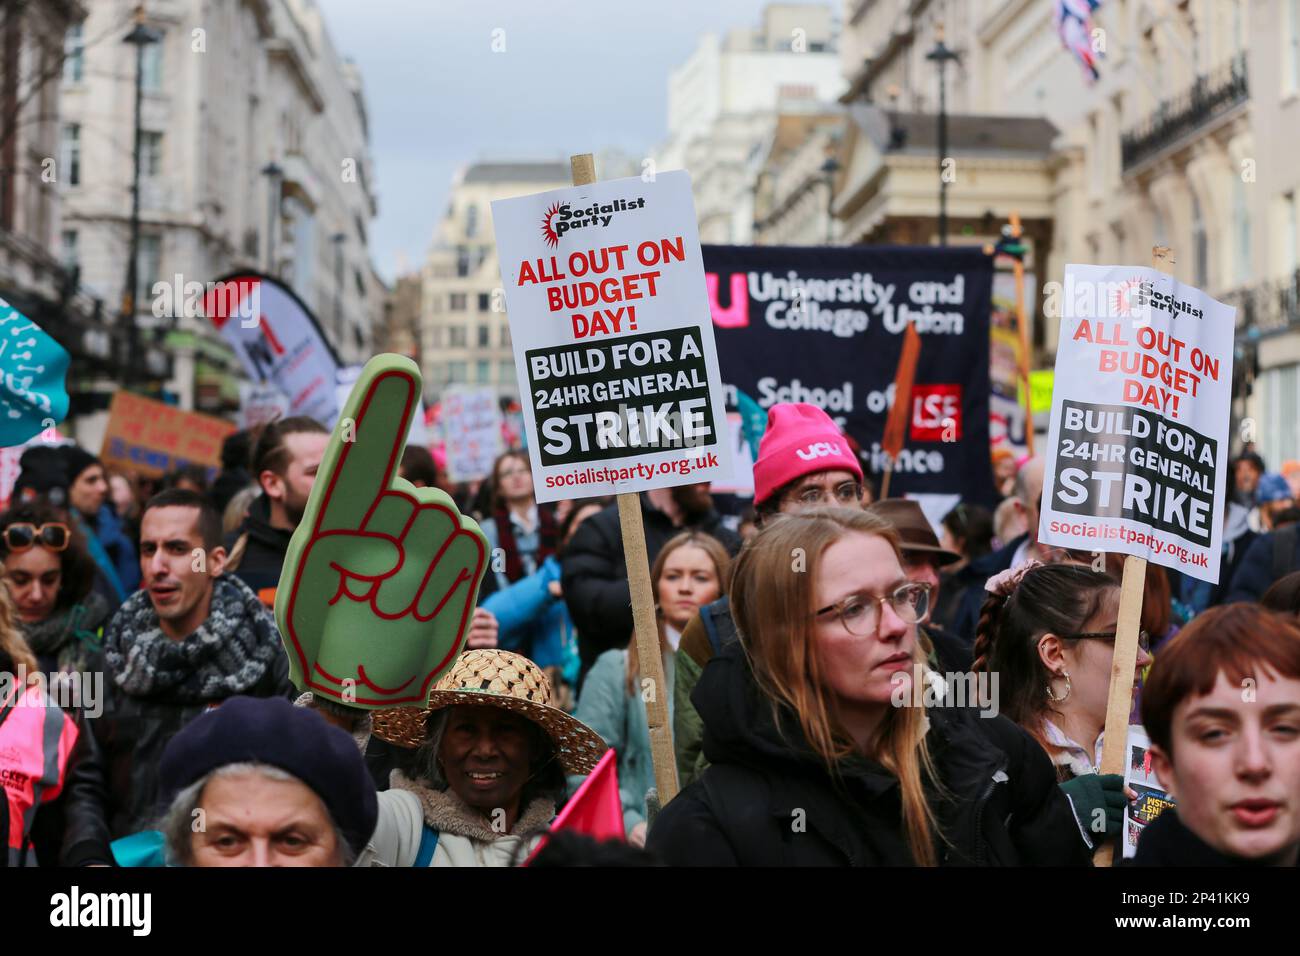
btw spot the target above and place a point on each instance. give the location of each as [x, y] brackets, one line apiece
[596, 809]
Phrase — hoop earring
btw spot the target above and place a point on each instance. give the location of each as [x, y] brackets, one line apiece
[1058, 700]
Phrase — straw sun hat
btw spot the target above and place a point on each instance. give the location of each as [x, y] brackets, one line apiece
[496, 678]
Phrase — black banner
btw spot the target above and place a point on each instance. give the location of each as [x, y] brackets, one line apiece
[1115, 461]
[825, 326]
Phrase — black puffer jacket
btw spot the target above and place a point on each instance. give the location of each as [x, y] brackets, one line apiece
[594, 576]
[768, 802]
[264, 553]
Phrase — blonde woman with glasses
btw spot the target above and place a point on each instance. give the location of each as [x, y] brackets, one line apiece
[822, 752]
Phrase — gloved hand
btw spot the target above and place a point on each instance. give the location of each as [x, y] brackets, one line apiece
[1093, 792]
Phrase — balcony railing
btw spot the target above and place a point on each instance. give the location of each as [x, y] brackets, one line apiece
[1212, 94]
[1267, 308]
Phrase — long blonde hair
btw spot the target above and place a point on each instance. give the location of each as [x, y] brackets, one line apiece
[721, 566]
[12, 642]
[772, 603]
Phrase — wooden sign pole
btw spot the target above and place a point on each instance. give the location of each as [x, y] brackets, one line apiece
[1119, 704]
[643, 601]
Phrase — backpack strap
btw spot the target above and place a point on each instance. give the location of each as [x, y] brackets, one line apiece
[428, 843]
[1283, 551]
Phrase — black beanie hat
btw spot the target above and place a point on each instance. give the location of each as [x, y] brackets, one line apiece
[75, 460]
[42, 473]
[296, 739]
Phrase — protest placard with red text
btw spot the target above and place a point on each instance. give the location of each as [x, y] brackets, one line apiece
[1138, 445]
[613, 341]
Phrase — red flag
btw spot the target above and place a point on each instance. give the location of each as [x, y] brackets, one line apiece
[596, 809]
[900, 414]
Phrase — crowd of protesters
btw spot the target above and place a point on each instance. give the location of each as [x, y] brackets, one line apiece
[146, 683]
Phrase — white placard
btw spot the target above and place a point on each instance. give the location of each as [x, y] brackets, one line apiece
[613, 340]
[1138, 445]
[471, 420]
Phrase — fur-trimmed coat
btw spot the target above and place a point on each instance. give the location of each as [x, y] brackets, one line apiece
[465, 836]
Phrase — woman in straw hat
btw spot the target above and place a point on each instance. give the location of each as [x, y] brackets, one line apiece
[820, 751]
[487, 771]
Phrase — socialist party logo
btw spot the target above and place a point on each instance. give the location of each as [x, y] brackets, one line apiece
[562, 218]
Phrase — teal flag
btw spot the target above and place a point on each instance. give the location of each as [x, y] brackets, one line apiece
[33, 367]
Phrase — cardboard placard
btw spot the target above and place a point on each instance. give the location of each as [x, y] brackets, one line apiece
[154, 439]
[1140, 404]
[613, 343]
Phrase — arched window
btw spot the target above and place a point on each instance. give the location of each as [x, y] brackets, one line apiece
[1200, 245]
[1241, 230]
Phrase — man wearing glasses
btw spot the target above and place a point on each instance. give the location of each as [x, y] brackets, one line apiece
[804, 461]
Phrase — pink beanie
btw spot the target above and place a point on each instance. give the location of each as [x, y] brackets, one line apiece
[800, 440]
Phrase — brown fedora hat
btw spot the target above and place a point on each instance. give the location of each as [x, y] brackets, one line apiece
[910, 522]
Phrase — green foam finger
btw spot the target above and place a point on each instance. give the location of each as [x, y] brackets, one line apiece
[391, 515]
[366, 446]
[431, 527]
[443, 591]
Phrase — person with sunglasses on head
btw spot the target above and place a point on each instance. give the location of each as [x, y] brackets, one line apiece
[804, 462]
[1048, 633]
[50, 579]
[823, 749]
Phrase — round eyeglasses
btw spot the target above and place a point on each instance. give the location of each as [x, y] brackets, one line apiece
[860, 613]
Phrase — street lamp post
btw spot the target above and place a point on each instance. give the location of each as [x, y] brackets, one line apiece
[942, 56]
[338, 239]
[139, 37]
[274, 174]
[829, 169]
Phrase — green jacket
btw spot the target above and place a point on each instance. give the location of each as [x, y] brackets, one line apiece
[620, 718]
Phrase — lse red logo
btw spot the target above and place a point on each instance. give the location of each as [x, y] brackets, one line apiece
[936, 413]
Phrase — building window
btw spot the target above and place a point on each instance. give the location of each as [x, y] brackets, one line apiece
[505, 336]
[506, 373]
[1293, 46]
[74, 54]
[151, 74]
[484, 336]
[482, 373]
[471, 221]
[462, 261]
[71, 150]
[70, 255]
[302, 225]
[457, 302]
[1200, 246]
[484, 302]
[435, 337]
[456, 336]
[150, 153]
[1279, 413]
[1159, 234]
[1292, 237]
[148, 267]
[457, 373]
[1241, 224]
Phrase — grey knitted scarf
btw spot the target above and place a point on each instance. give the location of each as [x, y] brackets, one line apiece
[229, 653]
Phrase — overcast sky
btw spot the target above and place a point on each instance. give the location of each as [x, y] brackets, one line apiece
[576, 76]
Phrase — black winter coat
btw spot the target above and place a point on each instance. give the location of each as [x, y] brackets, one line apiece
[264, 554]
[768, 801]
[112, 785]
[965, 618]
[594, 573]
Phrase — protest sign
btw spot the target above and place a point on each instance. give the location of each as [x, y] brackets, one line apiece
[826, 325]
[277, 339]
[380, 577]
[346, 377]
[472, 431]
[604, 288]
[1152, 799]
[1139, 434]
[154, 439]
[260, 403]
